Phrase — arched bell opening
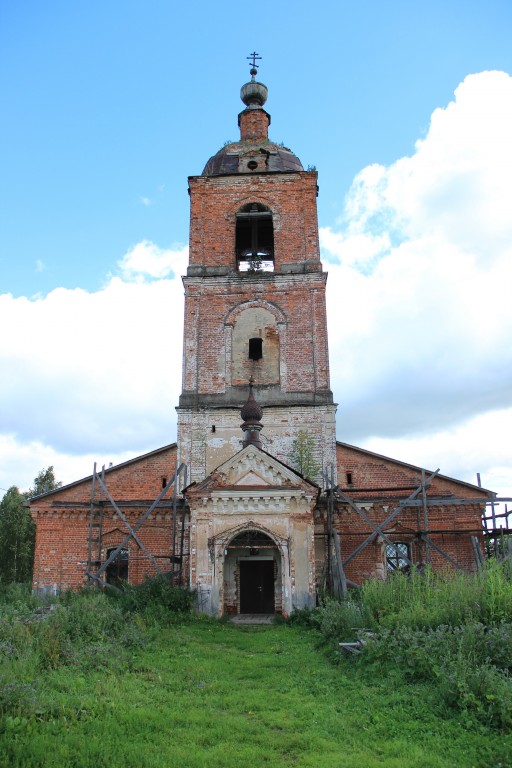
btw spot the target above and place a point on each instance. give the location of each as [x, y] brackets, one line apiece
[252, 574]
[254, 238]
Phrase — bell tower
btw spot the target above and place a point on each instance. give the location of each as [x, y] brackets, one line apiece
[254, 301]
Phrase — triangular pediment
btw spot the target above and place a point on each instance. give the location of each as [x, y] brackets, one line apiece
[254, 468]
[252, 478]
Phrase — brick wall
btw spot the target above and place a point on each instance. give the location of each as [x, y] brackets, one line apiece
[62, 520]
[450, 525]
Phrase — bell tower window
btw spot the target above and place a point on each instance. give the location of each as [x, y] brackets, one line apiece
[254, 239]
[255, 349]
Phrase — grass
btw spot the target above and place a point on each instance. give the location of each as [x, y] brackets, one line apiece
[138, 681]
[208, 694]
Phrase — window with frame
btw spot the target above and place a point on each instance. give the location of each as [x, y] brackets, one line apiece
[117, 571]
[398, 556]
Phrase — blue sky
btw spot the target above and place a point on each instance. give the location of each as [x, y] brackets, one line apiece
[108, 107]
[108, 103]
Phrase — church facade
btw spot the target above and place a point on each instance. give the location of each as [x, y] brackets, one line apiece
[257, 506]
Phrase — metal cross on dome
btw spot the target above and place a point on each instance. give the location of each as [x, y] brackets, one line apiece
[253, 58]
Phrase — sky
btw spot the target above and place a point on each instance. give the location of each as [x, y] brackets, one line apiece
[404, 109]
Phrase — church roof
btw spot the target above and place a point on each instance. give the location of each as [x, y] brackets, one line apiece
[254, 143]
[278, 158]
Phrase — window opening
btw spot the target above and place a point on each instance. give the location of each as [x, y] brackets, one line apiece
[349, 478]
[254, 239]
[396, 554]
[164, 482]
[255, 349]
[117, 571]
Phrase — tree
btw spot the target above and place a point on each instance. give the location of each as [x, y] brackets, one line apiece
[18, 530]
[17, 538]
[44, 482]
[302, 454]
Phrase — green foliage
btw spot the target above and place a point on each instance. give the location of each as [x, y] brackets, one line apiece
[470, 664]
[157, 598]
[210, 694]
[431, 599]
[454, 631]
[18, 530]
[339, 620]
[17, 538]
[44, 482]
[302, 455]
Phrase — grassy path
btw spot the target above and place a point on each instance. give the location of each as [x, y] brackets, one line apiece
[222, 696]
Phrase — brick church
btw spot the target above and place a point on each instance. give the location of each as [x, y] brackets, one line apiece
[257, 506]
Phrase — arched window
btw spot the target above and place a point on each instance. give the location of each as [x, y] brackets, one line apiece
[117, 571]
[254, 239]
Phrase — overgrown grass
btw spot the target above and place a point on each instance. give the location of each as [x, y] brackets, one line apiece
[203, 694]
[454, 631]
[137, 680]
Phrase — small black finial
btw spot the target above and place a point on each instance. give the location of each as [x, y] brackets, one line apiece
[254, 67]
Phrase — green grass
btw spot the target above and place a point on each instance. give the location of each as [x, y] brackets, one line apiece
[136, 680]
[206, 694]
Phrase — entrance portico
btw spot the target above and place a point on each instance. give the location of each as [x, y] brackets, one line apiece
[252, 545]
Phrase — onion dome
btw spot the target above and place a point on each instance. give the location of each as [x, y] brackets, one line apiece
[251, 413]
[254, 93]
[254, 153]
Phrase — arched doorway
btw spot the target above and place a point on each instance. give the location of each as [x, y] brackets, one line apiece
[253, 574]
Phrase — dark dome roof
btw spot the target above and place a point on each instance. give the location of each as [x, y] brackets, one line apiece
[251, 412]
[226, 160]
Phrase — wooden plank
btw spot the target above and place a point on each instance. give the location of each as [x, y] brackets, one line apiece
[378, 530]
[142, 520]
[386, 522]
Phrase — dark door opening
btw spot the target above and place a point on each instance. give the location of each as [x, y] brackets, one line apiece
[257, 586]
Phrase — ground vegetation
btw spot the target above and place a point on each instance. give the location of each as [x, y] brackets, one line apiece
[138, 680]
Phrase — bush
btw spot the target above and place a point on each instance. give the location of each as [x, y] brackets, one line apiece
[156, 598]
[454, 629]
[339, 619]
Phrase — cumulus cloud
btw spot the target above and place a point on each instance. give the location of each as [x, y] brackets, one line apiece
[92, 373]
[419, 284]
[146, 260]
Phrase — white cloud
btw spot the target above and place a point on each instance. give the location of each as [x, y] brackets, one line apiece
[146, 201]
[40, 265]
[90, 373]
[146, 260]
[20, 462]
[419, 290]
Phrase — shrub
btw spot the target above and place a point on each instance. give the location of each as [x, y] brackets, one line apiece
[156, 598]
[338, 619]
[470, 664]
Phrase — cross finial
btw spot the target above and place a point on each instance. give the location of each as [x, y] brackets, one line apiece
[253, 58]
